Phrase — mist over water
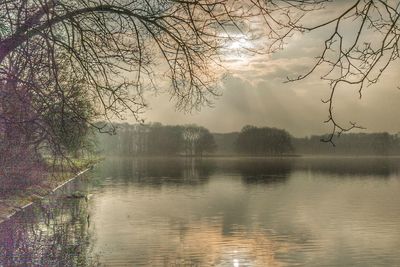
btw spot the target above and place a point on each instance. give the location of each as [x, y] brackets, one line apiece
[217, 212]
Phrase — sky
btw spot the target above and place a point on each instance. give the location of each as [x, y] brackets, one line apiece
[254, 92]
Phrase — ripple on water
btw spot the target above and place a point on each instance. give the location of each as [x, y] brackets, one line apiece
[280, 212]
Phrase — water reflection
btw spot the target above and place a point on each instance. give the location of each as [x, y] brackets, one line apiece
[354, 167]
[53, 233]
[181, 172]
[155, 172]
[203, 244]
[216, 212]
[261, 171]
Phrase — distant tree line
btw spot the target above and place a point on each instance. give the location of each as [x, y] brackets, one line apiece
[157, 139]
[351, 144]
[383, 144]
[192, 140]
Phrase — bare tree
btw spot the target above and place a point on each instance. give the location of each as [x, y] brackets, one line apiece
[191, 134]
[362, 42]
[113, 47]
[79, 60]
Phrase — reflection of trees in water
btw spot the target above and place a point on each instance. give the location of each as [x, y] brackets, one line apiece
[276, 170]
[265, 172]
[185, 171]
[256, 170]
[54, 233]
[158, 171]
[354, 167]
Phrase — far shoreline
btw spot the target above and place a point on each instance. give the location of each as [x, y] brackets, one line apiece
[221, 156]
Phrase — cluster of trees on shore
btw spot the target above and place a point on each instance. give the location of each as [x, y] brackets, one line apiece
[156, 139]
[191, 140]
[383, 144]
[263, 141]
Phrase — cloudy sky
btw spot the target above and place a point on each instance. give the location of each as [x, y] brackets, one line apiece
[254, 93]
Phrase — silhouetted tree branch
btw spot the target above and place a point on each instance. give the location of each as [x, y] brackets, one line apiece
[81, 60]
[363, 41]
[112, 49]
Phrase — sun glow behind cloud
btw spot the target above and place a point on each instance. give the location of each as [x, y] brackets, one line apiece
[255, 92]
[238, 51]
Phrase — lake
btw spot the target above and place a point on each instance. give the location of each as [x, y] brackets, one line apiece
[216, 212]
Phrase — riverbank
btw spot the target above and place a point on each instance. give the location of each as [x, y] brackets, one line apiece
[20, 199]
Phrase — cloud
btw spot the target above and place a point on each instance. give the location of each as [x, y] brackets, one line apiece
[294, 106]
[255, 93]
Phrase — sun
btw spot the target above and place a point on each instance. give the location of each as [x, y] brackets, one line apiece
[239, 43]
[237, 51]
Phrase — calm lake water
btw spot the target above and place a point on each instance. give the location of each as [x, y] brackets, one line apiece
[216, 212]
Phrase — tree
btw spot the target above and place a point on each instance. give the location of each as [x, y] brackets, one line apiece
[191, 134]
[49, 120]
[164, 139]
[362, 42]
[110, 48]
[263, 141]
[206, 142]
[156, 139]
[197, 140]
[104, 41]
[113, 47]
[64, 64]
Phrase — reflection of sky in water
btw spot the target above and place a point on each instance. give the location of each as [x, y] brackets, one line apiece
[233, 212]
